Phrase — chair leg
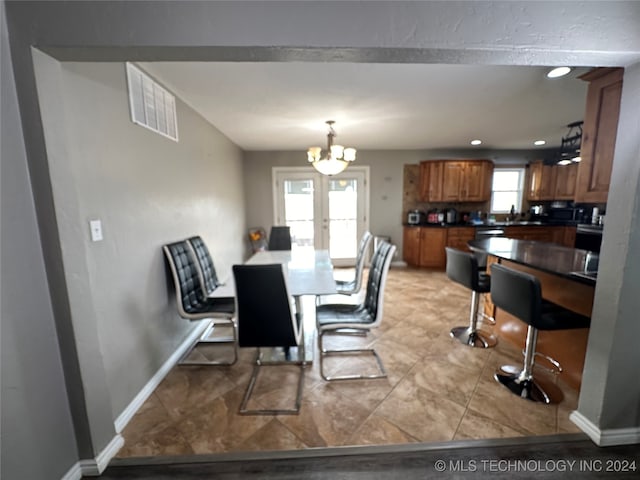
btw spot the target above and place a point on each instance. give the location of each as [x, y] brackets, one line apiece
[470, 335]
[259, 363]
[205, 339]
[522, 383]
[351, 351]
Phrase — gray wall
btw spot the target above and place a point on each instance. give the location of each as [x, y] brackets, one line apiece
[38, 441]
[386, 176]
[611, 389]
[601, 33]
[148, 191]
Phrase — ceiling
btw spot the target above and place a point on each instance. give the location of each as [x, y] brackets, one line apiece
[283, 105]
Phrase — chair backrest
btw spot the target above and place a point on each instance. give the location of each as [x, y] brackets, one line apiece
[280, 238]
[206, 272]
[189, 293]
[265, 312]
[374, 296]
[462, 267]
[517, 293]
[363, 248]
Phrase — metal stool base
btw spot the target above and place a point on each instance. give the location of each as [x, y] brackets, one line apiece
[473, 338]
[522, 387]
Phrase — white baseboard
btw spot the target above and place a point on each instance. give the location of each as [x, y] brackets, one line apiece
[95, 466]
[74, 473]
[125, 417]
[605, 438]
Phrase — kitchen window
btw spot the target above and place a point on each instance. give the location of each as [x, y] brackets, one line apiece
[506, 189]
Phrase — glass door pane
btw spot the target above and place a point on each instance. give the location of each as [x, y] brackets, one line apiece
[299, 212]
[325, 213]
[343, 218]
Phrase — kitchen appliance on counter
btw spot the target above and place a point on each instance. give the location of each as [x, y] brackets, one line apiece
[435, 216]
[451, 216]
[415, 217]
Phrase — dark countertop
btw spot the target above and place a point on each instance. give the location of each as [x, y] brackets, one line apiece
[571, 263]
[494, 224]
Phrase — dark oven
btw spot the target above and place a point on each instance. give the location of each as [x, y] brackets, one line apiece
[589, 237]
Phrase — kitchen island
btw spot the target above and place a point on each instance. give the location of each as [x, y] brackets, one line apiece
[567, 277]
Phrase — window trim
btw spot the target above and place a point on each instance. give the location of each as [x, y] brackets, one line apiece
[520, 191]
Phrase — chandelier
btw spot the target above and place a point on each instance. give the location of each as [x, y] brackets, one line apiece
[337, 158]
[570, 146]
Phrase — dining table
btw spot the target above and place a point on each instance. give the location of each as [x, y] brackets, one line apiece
[309, 273]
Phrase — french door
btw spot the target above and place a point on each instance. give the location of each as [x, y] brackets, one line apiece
[328, 213]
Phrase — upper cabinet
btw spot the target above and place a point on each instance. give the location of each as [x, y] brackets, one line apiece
[566, 176]
[542, 182]
[599, 134]
[456, 180]
[431, 180]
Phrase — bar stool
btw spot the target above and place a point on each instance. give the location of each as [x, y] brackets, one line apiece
[519, 294]
[462, 268]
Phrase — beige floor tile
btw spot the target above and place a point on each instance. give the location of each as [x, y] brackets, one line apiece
[431, 378]
[421, 413]
[216, 426]
[187, 387]
[378, 431]
[445, 379]
[475, 426]
[326, 419]
[273, 436]
[498, 403]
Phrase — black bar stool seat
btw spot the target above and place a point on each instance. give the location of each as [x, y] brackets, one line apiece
[519, 294]
[462, 268]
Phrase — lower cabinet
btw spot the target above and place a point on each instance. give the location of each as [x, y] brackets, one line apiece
[411, 245]
[432, 242]
[459, 237]
[424, 246]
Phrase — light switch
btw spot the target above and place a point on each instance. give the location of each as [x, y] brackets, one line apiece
[96, 230]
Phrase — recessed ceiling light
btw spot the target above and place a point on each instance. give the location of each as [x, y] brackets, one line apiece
[558, 72]
[539, 142]
[476, 142]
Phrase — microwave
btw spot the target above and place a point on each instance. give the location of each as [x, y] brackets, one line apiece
[569, 215]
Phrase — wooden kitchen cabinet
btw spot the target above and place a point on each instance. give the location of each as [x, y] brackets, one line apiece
[540, 234]
[478, 177]
[467, 181]
[566, 176]
[459, 237]
[411, 245]
[432, 242]
[542, 182]
[424, 246]
[431, 180]
[599, 134]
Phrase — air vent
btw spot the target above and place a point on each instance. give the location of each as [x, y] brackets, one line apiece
[151, 105]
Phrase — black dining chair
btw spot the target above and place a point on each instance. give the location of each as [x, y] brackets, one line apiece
[193, 304]
[280, 238]
[357, 318]
[267, 318]
[206, 271]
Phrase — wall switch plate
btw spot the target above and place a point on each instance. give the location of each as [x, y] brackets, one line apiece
[96, 230]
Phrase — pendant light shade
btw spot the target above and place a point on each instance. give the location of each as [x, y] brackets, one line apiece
[337, 157]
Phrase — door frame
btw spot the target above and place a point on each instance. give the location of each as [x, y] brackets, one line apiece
[362, 169]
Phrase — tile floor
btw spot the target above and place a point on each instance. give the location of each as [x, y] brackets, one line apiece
[437, 390]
